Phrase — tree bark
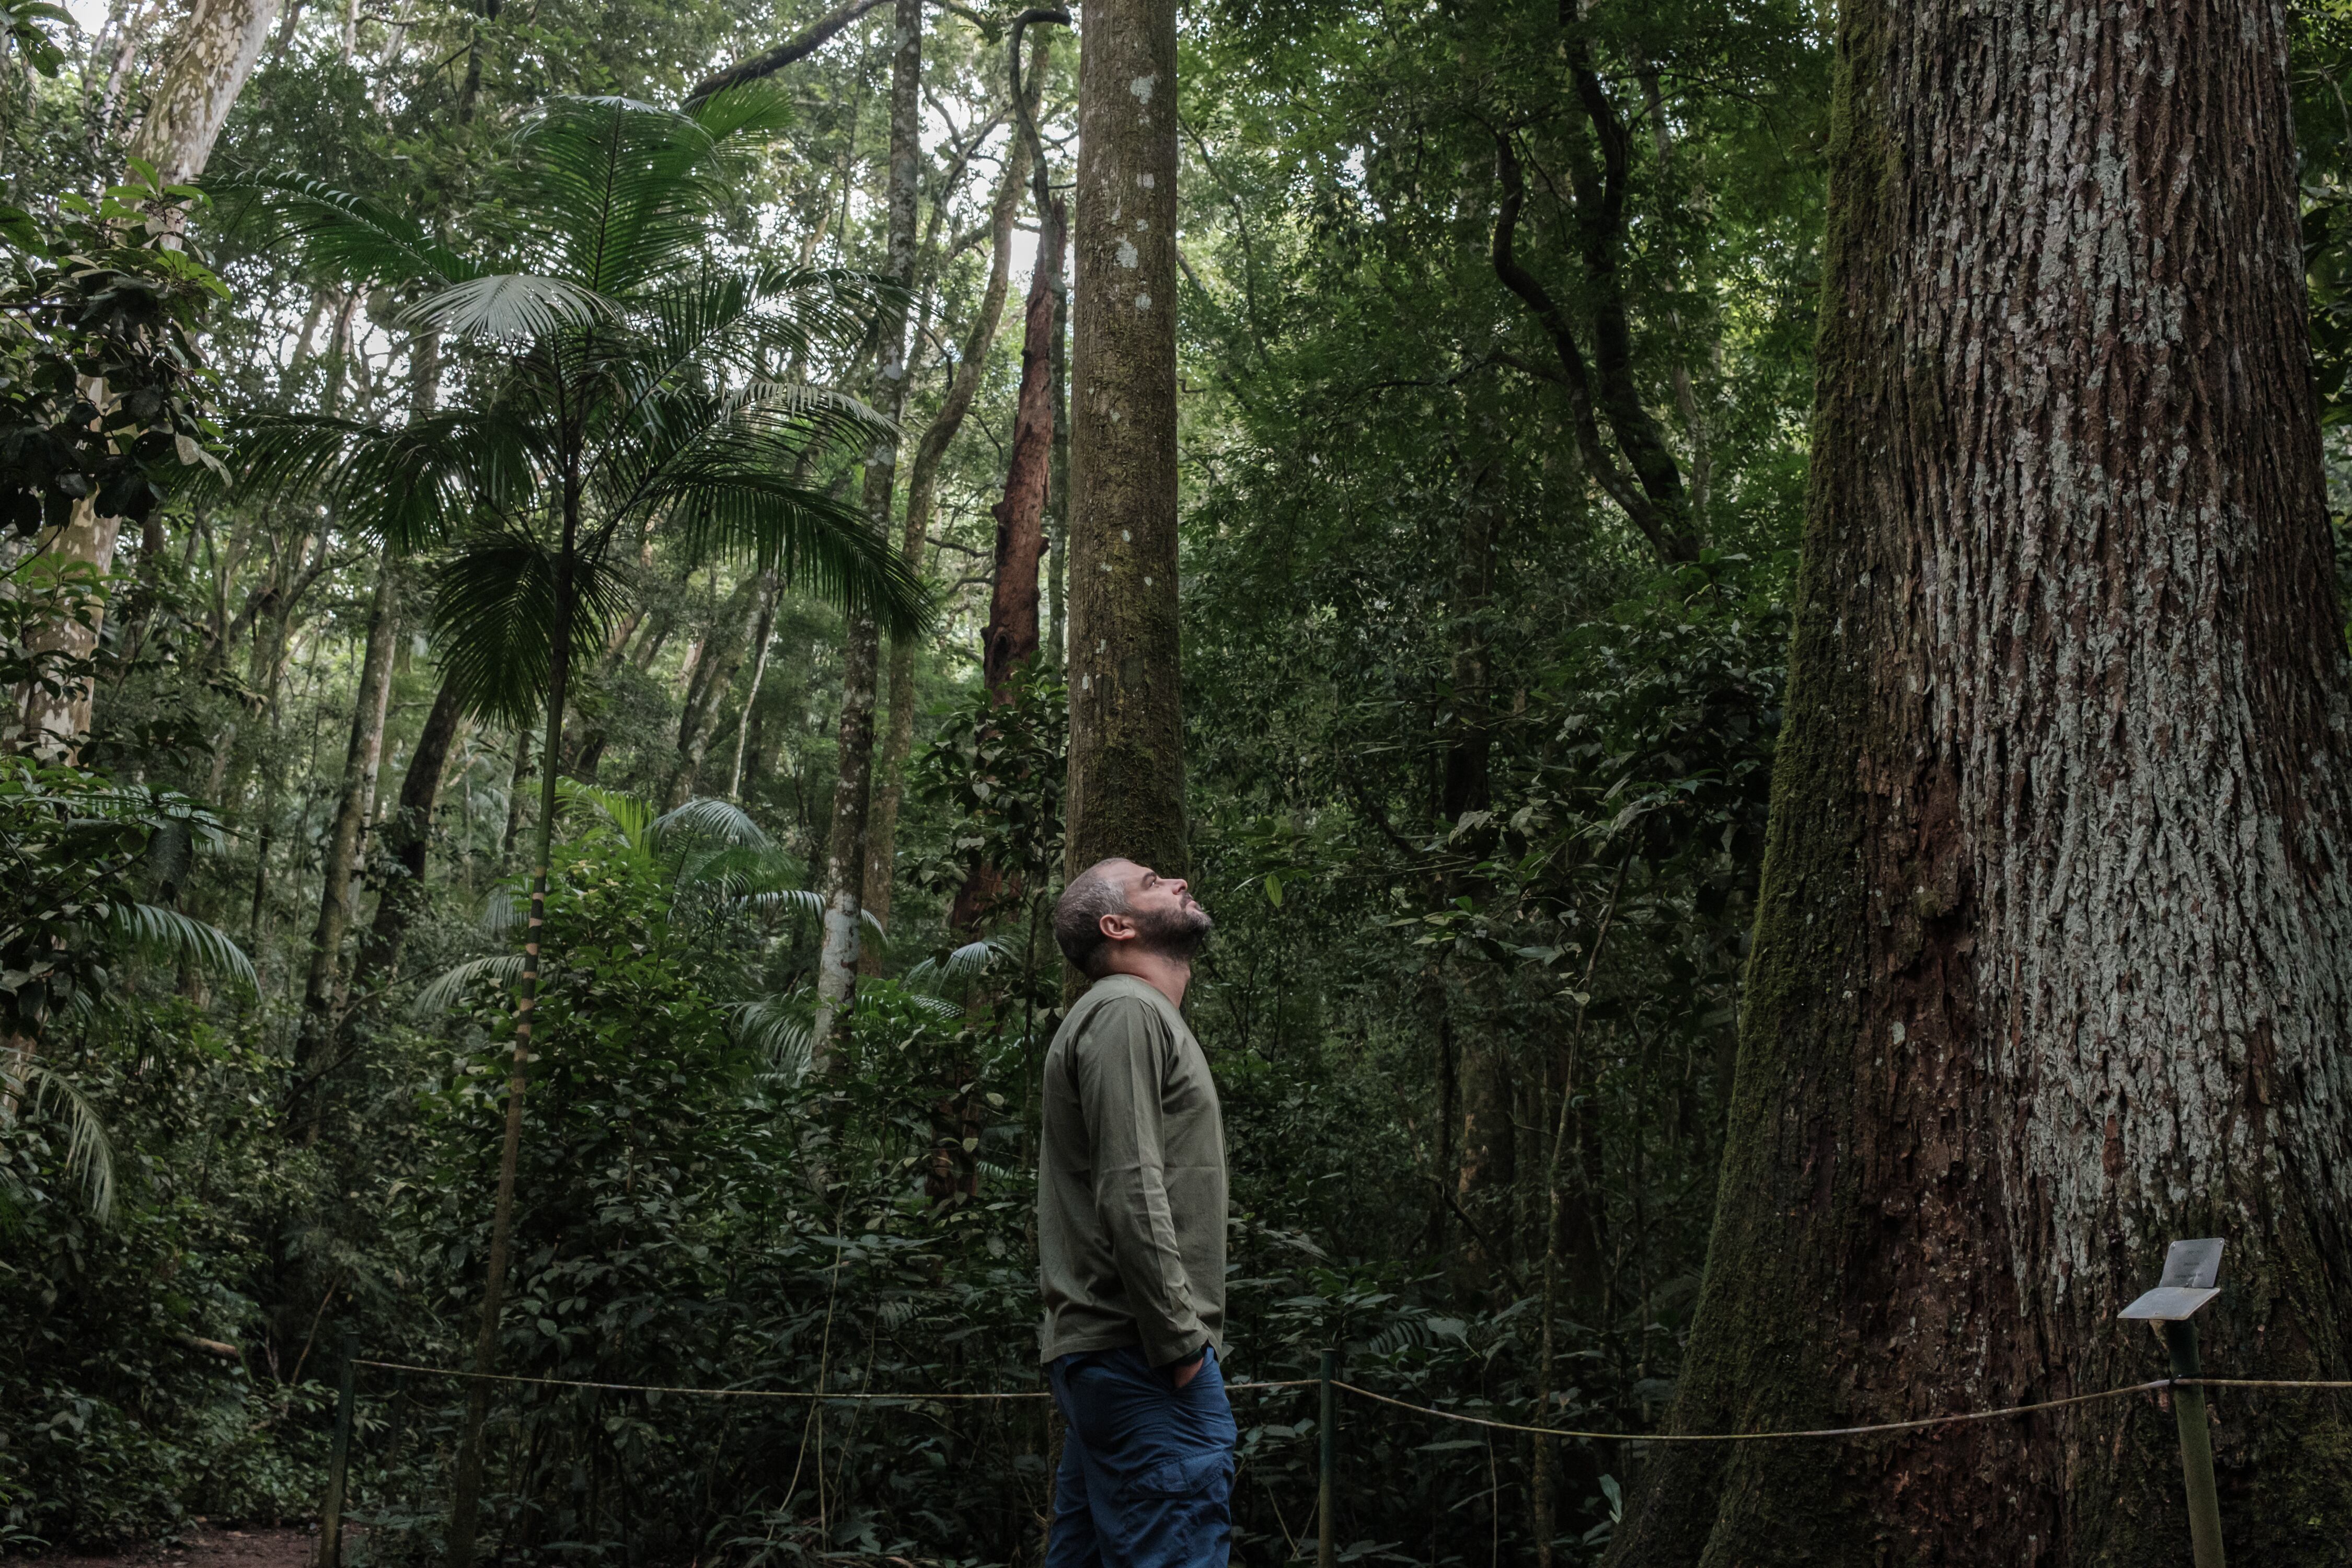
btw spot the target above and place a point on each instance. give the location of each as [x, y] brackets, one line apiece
[54, 724]
[764, 630]
[362, 756]
[738, 620]
[922, 476]
[1009, 638]
[2053, 957]
[845, 860]
[218, 45]
[407, 837]
[1057, 486]
[1126, 730]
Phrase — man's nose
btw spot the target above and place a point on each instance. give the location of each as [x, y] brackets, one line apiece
[1179, 884]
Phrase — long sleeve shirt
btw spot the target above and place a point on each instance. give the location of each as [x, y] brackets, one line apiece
[1130, 1181]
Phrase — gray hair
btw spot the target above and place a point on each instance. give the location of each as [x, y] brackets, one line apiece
[1077, 917]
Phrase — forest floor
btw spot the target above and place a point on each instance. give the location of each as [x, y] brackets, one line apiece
[203, 1546]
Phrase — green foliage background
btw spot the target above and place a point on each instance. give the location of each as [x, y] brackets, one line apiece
[1477, 785]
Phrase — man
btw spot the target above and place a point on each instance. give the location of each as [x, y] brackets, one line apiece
[1131, 1238]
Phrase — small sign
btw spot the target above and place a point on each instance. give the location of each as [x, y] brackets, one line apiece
[2192, 1270]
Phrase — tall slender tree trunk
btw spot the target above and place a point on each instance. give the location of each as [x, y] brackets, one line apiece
[722, 655]
[845, 860]
[2053, 954]
[465, 1501]
[1057, 487]
[763, 630]
[1009, 638]
[407, 839]
[922, 478]
[516, 779]
[362, 756]
[1126, 730]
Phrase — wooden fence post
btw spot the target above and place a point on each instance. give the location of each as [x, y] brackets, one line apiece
[1326, 1433]
[338, 1461]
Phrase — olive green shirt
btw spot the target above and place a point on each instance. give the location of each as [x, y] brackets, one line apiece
[1130, 1181]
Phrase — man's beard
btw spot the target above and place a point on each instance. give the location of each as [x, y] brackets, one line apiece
[1175, 933]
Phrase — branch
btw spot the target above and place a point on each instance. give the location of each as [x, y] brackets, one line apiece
[1021, 100]
[800, 46]
[1601, 215]
[1621, 486]
[809, 41]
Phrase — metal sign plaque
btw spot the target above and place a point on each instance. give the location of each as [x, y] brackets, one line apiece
[2191, 1271]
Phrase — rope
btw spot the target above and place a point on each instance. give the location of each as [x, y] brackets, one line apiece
[1913, 1425]
[1760, 1436]
[740, 1393]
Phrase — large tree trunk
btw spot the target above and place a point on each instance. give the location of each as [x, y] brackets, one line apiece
[1009, 638]
[2053, 957]
[362, 756]
[218, 45]
[845, 858]
[922, 478]
[1126, 729]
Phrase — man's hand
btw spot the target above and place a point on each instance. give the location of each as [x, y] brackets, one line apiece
[1190, 1370]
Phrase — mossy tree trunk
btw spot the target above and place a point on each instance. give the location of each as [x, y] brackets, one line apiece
[1127, 760]
[2053, 957]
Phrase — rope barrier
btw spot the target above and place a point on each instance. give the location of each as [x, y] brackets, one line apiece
[2152, 1386]
[1761, 1436]
[741, 1392]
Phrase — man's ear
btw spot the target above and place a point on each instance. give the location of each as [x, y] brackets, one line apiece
[1118, 927]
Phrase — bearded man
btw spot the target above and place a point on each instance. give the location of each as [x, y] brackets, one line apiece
[1131, 1238]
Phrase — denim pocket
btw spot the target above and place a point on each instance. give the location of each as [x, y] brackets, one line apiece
[1189, 1476]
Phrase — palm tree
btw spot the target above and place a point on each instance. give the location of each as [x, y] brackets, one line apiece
[637, 383]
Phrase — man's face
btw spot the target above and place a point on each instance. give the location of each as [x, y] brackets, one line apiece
[1166, 916]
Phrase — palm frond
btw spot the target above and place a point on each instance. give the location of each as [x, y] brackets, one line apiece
[494, 617]
[167, 936]
[706, 818]
[749, 111]
[789, 900]
[726, 501]
[90, 1148]
[439, 995]
[509, 305]
[629, 818]
[342, 234]
[625, 190]
[409, 484]
[963, 965]
[779, 1028]
[500, 914]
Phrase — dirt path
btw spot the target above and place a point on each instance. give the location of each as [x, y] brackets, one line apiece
[203, 1546]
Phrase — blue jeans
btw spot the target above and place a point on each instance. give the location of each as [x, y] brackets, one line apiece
[1147, 1475]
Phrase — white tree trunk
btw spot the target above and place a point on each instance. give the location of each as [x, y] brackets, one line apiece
[218, 48]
